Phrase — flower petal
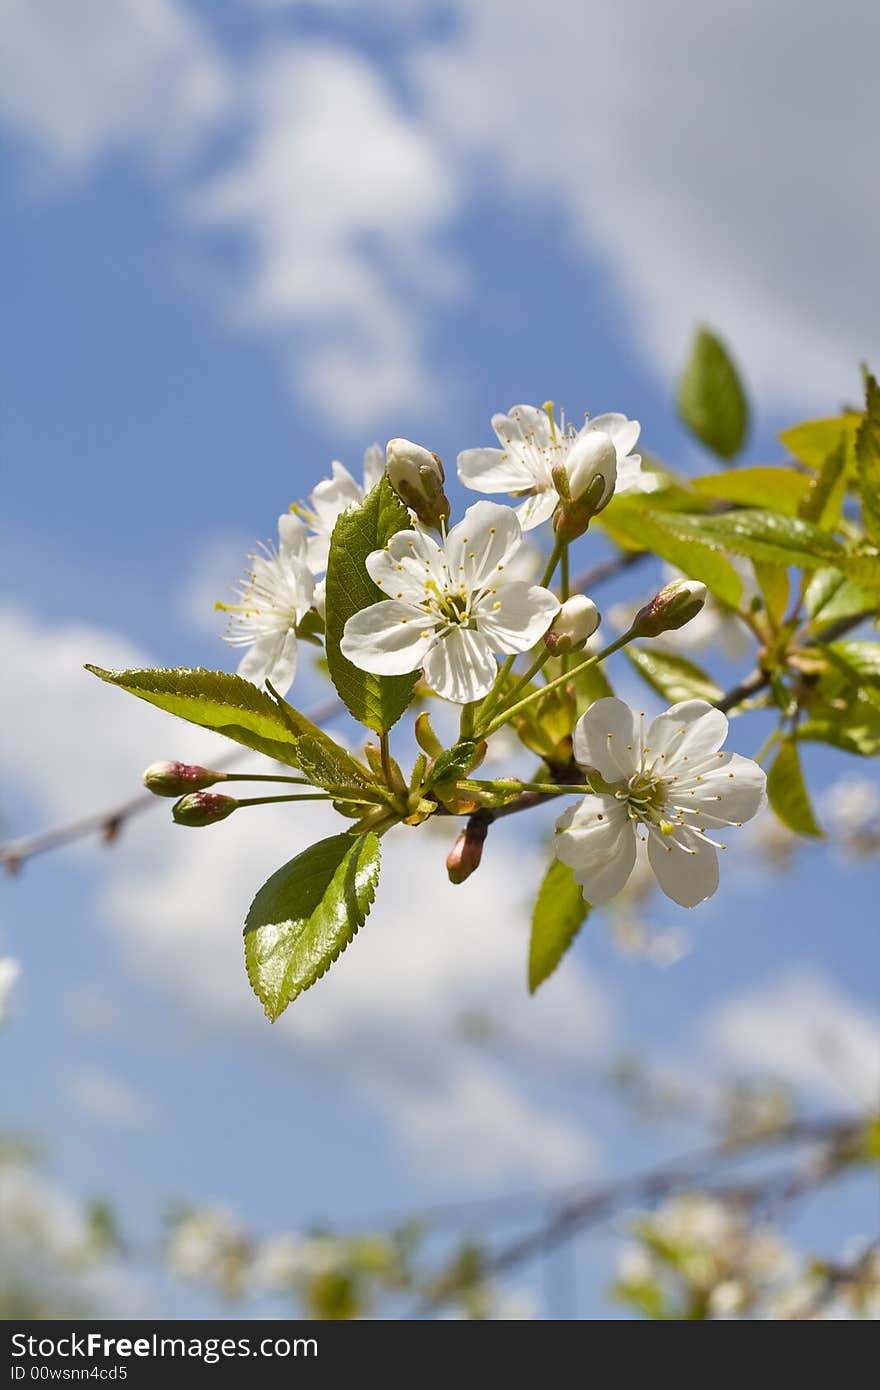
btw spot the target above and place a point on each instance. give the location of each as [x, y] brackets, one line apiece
[686, 734]
[622, 432]
[516, 616]
[686, 877]
[460, 666]
[732, 789]
[388, 639]
[374, 466]
[607, 738]
[494, 470]
[272, 657]
[408, 562]
[538, 508]
[292, 538]
[524, 426]
[596, 839]
[478, 547]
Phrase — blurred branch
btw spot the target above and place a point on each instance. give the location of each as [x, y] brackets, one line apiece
[838, 1140]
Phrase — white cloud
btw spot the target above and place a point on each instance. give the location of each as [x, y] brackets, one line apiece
[108, 1098]
[384, 1021]
[81, 81]
[338, 194]
[802, 1028]
[721, 162]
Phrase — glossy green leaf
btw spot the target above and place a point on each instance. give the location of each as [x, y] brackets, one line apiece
[860, 661]
[331, 767]
[827, 489]
[672, 675]
[778, 488]
[634, 527]
[377, 701]
[787, 791]
[774, 586]
[711, 399]
[762, 535]
[830, 596]
[814, 440]
[560, 912]
[216, 700]
[453, 763]
[306, 914]
[868, 460]
[855, 730]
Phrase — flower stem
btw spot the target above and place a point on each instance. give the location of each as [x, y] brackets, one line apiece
[268, 800]
[554, 684]
[491, 699]
[385, 754]
[555, 555]
[264, 777]
[468, 715]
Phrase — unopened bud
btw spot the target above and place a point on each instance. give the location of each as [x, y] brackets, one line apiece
[464, 857]
[417, 477]
[203, 808]
[175, 779]
[674, 606]
[573, 625]
[592, 469]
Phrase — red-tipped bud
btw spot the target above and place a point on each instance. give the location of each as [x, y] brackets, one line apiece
[674, 606]
[464, 857]
[573, 625]
[203, 808]
[176, 779]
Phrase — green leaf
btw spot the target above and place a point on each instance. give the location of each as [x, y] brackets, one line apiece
[560, 912]
[787, 791]
[858, 660]
[631, 525]
[827, 489]
[453, 763]
[830, 596]
[762, 535]
[672, 676]
[854, 730]
[814, 440]
[377, 701]
[711, 399]
[781, 489]
[331, 767]
[306, 914]
[216, 700]
[773, 583]
[868, 460]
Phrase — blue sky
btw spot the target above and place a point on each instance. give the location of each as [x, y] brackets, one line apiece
[242, 239]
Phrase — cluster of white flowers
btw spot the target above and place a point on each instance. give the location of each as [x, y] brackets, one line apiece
[458, 598]
[722, 1262]
[476, 610]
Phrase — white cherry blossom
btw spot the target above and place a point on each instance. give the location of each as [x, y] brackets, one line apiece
[330, 499]
[451, 604]
[273, 598]
[532, 444]
[672, 781]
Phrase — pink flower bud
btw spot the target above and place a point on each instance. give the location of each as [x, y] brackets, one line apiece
[203, 808]
[175, 779]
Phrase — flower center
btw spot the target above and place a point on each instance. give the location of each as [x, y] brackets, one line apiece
[453, 607]
[645, 796]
